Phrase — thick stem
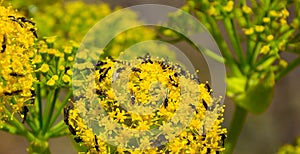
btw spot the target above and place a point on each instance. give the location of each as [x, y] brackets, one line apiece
[38, 146]
[235, 129]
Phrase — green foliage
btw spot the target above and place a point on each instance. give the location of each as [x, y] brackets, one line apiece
[258, 32]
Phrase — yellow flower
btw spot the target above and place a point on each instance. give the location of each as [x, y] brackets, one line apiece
[55, 77]
[50, 82]
[70, 58]
[69, 72]
[50, 39]
[266, 19]
[248, 31]
[17, 41]
[66, 78]
[229, 6]
[246, 9]
[265, 49]
[259, 28]
[270, 37]
[273, 13]
[44, 68]
[37, 59]
[68, 49]
[166, 95]
[61, 67]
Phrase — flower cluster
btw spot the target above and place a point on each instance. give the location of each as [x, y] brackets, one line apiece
[290, 149]
[266, 29]
[73, 19]
[153, 97]
[55, 63]
[17, 38]
[266, 26]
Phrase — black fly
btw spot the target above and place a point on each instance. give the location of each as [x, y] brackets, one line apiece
[166, 101]
[209, 90]
[3, 44]
[96, 144]
[78, 139]
[205, 104]
[34, 32]
[24, 111]
[100, 63]
[103, 75]
[223, 137]
[132, 98]
[208, 151]
[173, 82]
[146, 59]
[16, 74]
[134, 69]
[66, 114]
[23, 19]
[12, 93]
[67, 68]
[13, 18]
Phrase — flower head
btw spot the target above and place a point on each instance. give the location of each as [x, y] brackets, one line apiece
[158, 92]
[17, 37]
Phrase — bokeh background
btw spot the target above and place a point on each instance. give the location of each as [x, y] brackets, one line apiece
[262, 134]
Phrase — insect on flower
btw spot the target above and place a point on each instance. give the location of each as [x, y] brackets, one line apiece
[96, 144]
[12, 93]
[78, 139]
[223, 138]
[14, 74]
[34, 32]
[24, 111]
[146, 59]
[173, 81]
[134, 69]
[23, 19]
[3, 44]
[209, 90]
[13, 18]
[103, 75]
[166, 100]
[100, 63]
[132, 98]
[205, 104]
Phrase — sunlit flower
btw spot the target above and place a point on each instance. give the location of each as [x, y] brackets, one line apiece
[17, 38]
[142, 78]
[44, 68]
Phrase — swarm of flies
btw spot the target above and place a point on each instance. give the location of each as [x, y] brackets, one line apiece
[22, 21]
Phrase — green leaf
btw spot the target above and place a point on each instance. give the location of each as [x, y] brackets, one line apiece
[258, 94]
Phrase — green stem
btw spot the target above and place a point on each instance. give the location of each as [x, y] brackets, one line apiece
[235, 129]
[39, 100]
[60, 108]
[58, 130]
[20, 127]
[234, 38]
[50, 111]
[229, 60]
[38, 146]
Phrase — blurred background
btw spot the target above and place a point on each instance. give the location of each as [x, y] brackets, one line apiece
[262, 134]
